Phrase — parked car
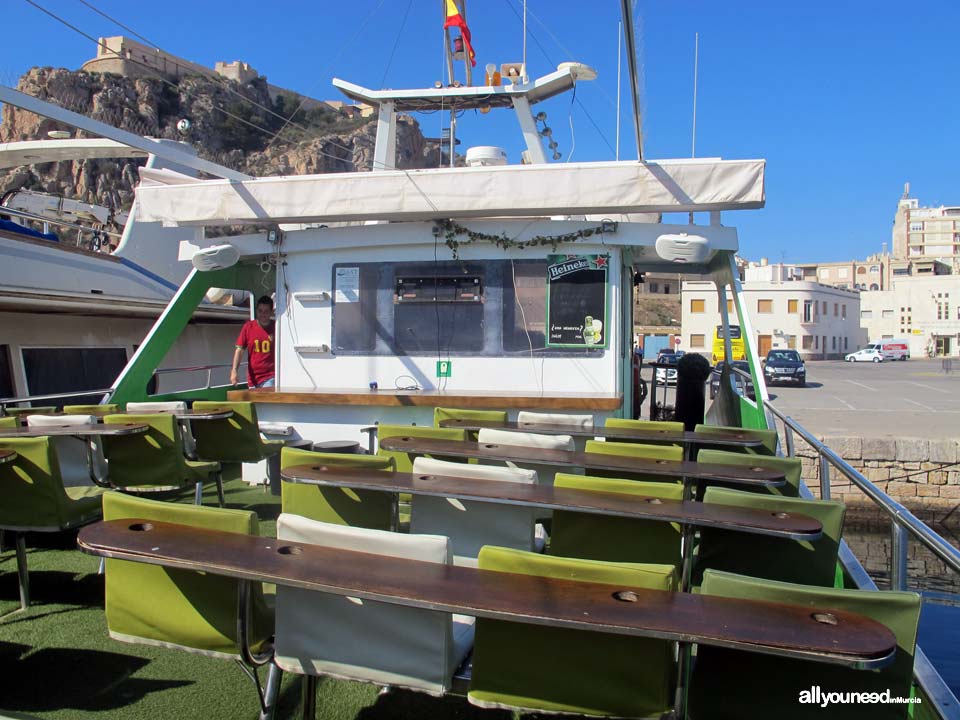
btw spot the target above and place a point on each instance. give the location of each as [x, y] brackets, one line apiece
[871, 353]
[784, 366]
[668, 376]
[891, 349]
[743, 385]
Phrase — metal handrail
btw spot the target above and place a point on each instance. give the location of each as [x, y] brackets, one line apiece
[198, 368]
[940, 695]
[191, 368]
[54, 396]
[54, 221]
[900, 516]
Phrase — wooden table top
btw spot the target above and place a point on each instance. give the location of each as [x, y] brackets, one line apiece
[97, 429]
[212, 414]
[794, 526]
[822, 634]
[754, 475]
[7, 456]
[735, 439]
[392, 397]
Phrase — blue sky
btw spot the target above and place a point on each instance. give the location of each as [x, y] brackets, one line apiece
[845, 100]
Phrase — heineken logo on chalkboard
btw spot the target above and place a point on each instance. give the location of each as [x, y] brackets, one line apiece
[574, 263]
[577, 301]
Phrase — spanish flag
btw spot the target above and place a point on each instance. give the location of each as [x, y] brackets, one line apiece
[455, 19]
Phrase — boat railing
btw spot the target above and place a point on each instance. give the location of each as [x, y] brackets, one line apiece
[24, 215]
[903, 521]
[53, 396]
[209, 369]
[903, 524]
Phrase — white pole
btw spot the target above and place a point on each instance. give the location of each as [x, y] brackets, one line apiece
[619, 67]
[696, 62]
[524, 65]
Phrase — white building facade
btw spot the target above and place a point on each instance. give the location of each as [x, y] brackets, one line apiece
[819, 321]
[924, 310]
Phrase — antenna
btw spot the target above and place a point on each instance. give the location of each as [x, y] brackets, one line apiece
[524, 66]
[696, 63]
[619, 68]
[634, 74]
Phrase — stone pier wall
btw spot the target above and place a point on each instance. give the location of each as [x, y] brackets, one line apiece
[923, 475]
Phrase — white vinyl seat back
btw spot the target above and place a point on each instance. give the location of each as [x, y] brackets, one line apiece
[583, 422]
[323, 634]
[471, 524]
[189, 443]
[545, 473]
[72, 453]
[154, 407]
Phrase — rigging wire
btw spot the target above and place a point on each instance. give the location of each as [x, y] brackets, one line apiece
[601, 133]
[396, 42]
[151, 71]
[336, 58]
[217, 80]
[130, 30]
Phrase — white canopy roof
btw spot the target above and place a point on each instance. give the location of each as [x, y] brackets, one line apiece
[516, 191]
[33, 152]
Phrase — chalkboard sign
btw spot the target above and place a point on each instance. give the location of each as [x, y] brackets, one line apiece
[577, 301]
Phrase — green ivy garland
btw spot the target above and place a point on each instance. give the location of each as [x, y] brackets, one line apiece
[452, 233]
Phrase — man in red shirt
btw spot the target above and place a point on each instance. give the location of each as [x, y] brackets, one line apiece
[256, 337]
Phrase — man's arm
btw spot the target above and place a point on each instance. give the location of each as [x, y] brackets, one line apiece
[237, 355]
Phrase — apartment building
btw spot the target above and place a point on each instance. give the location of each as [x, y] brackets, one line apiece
[819, 321]
[926, 240]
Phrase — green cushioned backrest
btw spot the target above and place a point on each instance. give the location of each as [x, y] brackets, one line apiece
[790, 467]
[9, 422]
[777, 682]
[616, 539]
[644, 426]
[31, 490]
[637, 450]
[810, 563]
[38, 410]
[164, 605]
[144, 459]
[577, 671]
[769, 438]
[404, 460]
[343, 506]
[90, 409]
[440, 414]
[233, 439]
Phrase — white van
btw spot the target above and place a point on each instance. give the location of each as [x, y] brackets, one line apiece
[891, 349]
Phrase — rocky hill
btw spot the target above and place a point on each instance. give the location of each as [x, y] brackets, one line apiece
[225, 125]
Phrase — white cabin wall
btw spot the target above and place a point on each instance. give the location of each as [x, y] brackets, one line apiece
[201, 343]
[310, 324]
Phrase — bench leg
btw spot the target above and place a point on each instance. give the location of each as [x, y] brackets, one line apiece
[309, 697]
[198, 493]
[23, 575]
[218, 478]
[271, 692]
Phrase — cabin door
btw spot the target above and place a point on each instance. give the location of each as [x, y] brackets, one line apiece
[765, 342]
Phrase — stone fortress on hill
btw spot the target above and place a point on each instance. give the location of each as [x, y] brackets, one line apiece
[122, 56]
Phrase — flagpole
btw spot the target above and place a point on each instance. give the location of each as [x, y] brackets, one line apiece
[447, 44]
[619, 67]
[467, 64]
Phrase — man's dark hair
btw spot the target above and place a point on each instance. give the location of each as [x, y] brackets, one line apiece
[265, 300]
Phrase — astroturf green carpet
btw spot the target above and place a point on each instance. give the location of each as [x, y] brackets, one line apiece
[57, 661]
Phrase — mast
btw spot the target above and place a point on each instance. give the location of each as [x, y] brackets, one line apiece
[634, 74]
